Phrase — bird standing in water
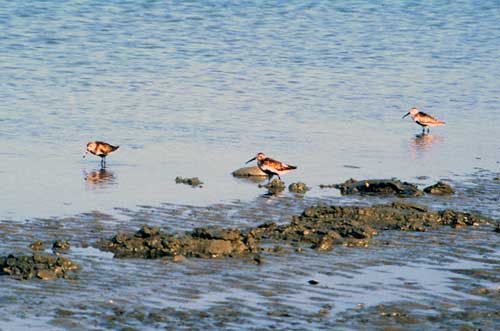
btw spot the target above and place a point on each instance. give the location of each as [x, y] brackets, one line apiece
[100, 149]
[423, 119]
[271, 167]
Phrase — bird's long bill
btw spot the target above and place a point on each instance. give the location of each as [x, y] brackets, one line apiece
[253, 158]
[408, 113]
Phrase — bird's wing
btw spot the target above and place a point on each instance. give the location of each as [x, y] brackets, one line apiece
[270, 164]
[426, 119]
[102, 149]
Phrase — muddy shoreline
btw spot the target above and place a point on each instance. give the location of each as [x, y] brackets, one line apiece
[321, 227]
[282, 261]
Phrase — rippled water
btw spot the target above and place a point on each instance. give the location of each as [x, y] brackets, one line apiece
[196, 88]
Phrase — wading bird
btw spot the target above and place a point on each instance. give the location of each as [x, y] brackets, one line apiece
[423, 119]
[271, 167]
[100, 149]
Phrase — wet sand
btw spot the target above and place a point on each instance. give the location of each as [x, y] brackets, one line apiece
[445, 277]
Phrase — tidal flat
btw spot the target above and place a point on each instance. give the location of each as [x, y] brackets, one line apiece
[424, 277]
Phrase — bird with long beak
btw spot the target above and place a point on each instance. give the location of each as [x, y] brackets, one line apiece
[423, 119]
[100, 149]
[271, 167]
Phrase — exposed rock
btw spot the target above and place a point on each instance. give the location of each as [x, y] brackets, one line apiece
[216, 233]
[211, 242]
[327, 226]
[298, 187]
[147, 231]
[249, 172]
[60, 245]
[379, 187]
[258, 259]
[37, 245]
[325, 310]
[46, 275]
[37, 266]
[321, 227]
[178, 258]
[275, 186]
[440, 188]
[193, 181]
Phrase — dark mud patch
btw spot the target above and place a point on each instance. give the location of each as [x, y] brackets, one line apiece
[37, 266]
[150, 243]
[349, 166]
[326, 226]
[440, 188]
[264, 290]
[193, 181]
[466, 315]
[378, 187]
[60, 245]
[299, 188]
[321, 227]
[37, 245]
[274, 187]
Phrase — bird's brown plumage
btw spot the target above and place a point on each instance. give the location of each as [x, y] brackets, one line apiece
[100, 148]
[272, 167]
[424, 119]
[271, 164]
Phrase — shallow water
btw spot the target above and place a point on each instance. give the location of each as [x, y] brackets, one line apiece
[196, 89]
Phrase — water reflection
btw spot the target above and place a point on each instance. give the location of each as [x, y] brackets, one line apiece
[99, 178]
[422, 144]
[252, 179]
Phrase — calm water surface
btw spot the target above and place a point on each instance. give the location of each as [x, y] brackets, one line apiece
[196, 88]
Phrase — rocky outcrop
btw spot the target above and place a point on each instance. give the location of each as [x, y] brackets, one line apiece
[37, 266]
[378, 187]
[249, 172]
[440, 188]
[321, 227]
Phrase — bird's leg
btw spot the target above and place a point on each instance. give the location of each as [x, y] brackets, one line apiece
[278, 176]
[269, 177]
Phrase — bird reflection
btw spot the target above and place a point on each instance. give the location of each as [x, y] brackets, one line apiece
[99, 178]
[271, 195]
[422, 144]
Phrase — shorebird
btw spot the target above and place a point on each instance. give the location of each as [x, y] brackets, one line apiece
[423, 119]
[100, 149]
[271, 167]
